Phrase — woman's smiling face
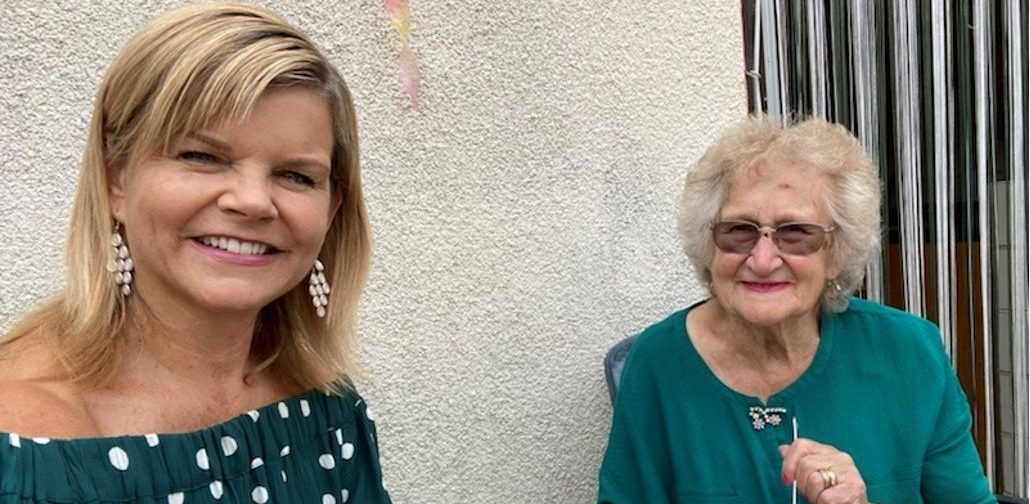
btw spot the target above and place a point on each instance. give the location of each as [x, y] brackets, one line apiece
[767, 287]
[235, 216]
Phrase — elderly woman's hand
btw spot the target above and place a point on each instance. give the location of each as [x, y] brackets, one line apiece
[825, 475]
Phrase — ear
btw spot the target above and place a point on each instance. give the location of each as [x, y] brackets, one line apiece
[832, 271]
[335, 201]
[116, 191]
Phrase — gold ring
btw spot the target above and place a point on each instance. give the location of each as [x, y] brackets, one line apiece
[829, 477]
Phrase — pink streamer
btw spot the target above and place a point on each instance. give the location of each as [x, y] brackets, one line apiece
[400, 16]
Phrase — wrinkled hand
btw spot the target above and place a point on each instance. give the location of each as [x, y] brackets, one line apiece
[802, 461]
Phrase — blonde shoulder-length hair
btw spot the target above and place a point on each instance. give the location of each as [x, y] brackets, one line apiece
[186, 70]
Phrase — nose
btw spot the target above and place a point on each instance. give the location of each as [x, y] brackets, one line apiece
[248, 195]
[765, 256]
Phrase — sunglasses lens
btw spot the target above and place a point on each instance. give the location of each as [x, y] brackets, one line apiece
[735, 237]
[799, 239]
[793, 239]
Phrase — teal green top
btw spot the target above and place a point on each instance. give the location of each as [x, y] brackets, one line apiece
[880, 388]
[313, 448]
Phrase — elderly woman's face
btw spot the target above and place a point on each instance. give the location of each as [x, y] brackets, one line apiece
[236, 215]
[766, 286]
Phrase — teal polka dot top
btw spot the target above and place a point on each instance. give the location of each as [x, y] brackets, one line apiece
[313, 448]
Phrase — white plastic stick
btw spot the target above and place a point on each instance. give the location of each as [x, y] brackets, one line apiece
[794, 486]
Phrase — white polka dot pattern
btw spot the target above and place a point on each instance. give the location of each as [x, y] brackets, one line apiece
[229, 446]
[259, 495]
[232, 462]
[216, 489]
[326, 461]
[202, 460]
[119, 459]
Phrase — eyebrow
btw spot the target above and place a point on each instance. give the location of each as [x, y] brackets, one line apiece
[778, 222]
[306, 161]
[208, 139]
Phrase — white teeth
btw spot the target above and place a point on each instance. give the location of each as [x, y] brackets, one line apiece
[234, 246]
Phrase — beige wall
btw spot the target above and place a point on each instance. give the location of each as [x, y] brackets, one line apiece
[523, 217]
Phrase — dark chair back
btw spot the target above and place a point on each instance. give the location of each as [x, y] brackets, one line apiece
[613, 363]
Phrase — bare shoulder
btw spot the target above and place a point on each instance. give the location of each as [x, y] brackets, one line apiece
[42, 410]
[34, 401]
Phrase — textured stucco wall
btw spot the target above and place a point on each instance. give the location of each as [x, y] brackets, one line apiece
[523, 216]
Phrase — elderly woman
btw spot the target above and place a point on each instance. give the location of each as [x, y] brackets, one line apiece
[780, 378]
[197, 352]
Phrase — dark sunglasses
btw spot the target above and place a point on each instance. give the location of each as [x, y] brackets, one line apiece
[792, 238]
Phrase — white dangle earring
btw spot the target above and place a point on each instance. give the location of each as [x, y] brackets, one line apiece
[120, 265]
[838, 291]
[318, 287]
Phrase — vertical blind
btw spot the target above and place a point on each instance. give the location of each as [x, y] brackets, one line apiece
[935, 91]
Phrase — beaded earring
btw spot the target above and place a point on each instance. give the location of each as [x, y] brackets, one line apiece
[318, 287]
[120, 266]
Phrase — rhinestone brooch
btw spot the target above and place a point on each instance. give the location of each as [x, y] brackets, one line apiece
[760, 417]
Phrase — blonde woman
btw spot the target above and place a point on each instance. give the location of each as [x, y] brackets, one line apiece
[780, 387]
[202, 349]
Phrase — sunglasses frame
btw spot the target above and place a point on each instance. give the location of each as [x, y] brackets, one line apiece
[771, 232]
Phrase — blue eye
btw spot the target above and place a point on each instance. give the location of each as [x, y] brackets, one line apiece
[298, 178]
[197, 157]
